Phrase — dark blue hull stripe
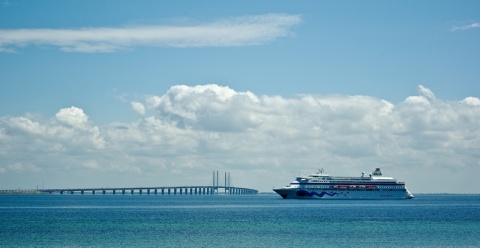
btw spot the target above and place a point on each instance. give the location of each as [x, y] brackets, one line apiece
[310, 194]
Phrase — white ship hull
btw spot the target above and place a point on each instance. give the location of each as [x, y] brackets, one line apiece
[297, 193]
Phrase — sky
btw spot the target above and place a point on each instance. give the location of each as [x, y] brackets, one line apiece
[162, 93]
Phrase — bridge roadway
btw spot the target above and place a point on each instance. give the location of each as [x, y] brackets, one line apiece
[178, 190]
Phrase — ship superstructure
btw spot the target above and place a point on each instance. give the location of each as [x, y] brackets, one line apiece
[322, 186]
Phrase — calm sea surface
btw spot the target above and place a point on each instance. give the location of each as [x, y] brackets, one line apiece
[236, 221]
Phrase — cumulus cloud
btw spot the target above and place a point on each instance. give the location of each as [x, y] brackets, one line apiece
[209, 107]
[69, 130]
[138, 107]
[24, 124]
[239, 31]
[72, 116]
[471, 101]
[263, 140]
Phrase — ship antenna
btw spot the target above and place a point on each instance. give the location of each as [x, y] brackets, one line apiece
[321, 171]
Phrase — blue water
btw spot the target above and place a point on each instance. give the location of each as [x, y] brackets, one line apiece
[236, 221]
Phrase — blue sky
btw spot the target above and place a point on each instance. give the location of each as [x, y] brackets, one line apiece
[113, 60]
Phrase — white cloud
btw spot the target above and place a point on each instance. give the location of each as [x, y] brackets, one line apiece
[138, 107]
[471, 101]
[262, 140]
[72, 116]
[69, 130]
[240, 31]
[466, 26]
[75, 129]
[26, 125]
[209, 107]
[426, 92]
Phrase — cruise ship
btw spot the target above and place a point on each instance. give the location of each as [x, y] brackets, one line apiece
[323, 186]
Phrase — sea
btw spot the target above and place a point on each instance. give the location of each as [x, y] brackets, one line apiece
[263, 220]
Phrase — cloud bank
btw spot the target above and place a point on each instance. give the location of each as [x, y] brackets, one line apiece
[263, 141]
[239, 31]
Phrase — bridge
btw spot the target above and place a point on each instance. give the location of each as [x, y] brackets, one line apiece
[215, 189]
[175, 190]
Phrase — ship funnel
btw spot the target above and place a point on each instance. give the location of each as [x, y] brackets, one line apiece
[377, 172]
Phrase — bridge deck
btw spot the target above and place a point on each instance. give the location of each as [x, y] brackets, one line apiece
[175, 190]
